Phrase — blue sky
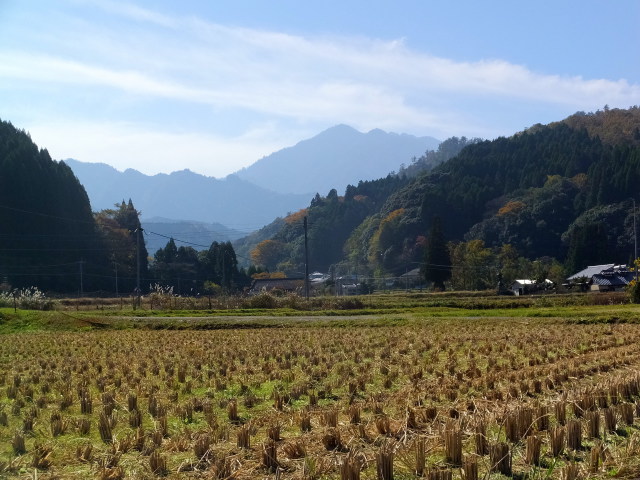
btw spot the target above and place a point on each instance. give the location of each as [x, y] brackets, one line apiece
[215, 85]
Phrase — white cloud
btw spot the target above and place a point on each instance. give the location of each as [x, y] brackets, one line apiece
[175, 66]
[123, 145]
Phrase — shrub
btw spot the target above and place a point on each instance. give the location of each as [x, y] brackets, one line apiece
[160, 296]
[633, 290]
[263, 300]
[29, 298]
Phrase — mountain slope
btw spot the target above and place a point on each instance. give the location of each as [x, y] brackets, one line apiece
[536, 190]
[335, 158]
[199, 235]
[47, 227]
[185, 195]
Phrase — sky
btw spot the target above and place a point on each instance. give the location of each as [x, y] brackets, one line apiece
[213, 86]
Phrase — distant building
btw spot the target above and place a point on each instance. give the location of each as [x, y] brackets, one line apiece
[411, 279]
[348, 285]
[318, 278]
[602, 278]
[527, 286]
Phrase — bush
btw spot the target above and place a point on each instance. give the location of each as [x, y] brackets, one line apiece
[349, 303]
[160, 296]
[633, 290]
[263, 300]
[29, 298]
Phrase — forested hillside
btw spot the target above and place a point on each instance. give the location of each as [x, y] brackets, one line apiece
[560, 192]
[50, 238]
[47, 228]
[333, 218]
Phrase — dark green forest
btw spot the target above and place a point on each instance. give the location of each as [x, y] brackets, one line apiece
[547, 201]
[48, 232]
[50, 238]
[561, 194]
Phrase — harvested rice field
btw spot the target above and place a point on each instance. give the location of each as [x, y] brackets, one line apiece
[403, 397]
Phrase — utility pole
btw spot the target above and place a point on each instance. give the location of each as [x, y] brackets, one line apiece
[635, 241]
[306, 261]
[138, 230]
[138, 258]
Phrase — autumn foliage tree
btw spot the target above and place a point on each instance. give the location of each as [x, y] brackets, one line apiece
[268, 253]
[383, 246]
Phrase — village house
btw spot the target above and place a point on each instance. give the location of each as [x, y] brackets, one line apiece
[527, 286]
[602, 278]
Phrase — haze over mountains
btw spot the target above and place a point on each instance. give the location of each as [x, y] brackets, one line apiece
[185, 195]
[561, 195]
[282, 182]
[335, 158]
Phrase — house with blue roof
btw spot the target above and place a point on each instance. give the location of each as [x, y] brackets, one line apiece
[602, 278]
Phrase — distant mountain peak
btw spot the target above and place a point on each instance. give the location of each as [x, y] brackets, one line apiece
[279, 183]
[341, 127]
[335, 158]
[185, 195]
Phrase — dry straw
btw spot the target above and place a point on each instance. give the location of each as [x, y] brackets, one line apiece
[270, 455]
[158, 463]
[420, 447]
[480, 435]
[533, 448]
[500, 458]
[593, 424]
[610, 421]
[351, 467]
[453, 444]
[556, 441]
[470, 468]
[384, 460]
[574, 434]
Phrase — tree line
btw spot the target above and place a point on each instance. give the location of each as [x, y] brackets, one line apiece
[50, 238]
[558, 195]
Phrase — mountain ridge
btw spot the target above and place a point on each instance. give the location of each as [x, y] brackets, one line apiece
[560, 191]
[184, 195]
[189, 196]
[335, 158]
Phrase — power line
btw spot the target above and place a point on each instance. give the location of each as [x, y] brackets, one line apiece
[190, 243]
[57, 217]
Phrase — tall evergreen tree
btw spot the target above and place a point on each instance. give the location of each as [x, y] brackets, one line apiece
[49, 237]
[121, 229]
[587, 246]
[437, 262]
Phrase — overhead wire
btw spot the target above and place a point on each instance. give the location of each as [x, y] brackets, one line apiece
[189, 243]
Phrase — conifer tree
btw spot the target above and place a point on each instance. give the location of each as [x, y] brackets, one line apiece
[437, 261]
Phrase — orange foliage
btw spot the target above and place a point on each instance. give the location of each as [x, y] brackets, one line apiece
[267, 275]
[267, 253]
[580, 180]
[360, 198]
[511, 207]
[393, 215]
[296, 217]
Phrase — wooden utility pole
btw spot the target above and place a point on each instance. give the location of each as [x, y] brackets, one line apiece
[635, 241]
[306, 261]
[138, 291]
